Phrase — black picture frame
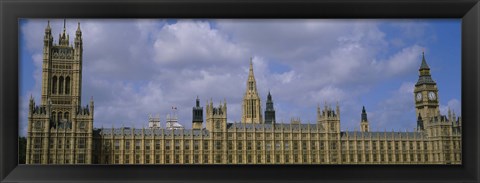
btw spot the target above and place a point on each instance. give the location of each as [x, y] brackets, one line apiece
[11, 11]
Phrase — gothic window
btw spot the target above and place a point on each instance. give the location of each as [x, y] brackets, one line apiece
[205, 145]
[59, 144]
[117, 159]
[147, 159]
[52, 143]
[117, 144]
[157, 158]
[137, 144]
[277, 145]
[60, 85]
[81, 143]
[167, 145]
[36, 158]
[37, 143]
[127, 159]
[167, 158]
[157, 144]
[147, 144]
[59, 117]
[269, 146]
[81, 158]
[127, 145]
[205, 158]
[82, 125]
[259, 146]
[177, 144]
[67, 144]
[67, 85]
[66, 115]
[195, 145]
[137, 159]
[54, 117]
[217, 125]
[251, 86]
[54, 84]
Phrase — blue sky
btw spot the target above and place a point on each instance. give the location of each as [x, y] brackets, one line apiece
[134, 68]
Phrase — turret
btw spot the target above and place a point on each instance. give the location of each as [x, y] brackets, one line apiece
[329, 119]
[63, 38]
[48, 39]
[91, 106]
[197, 116]
[269, 110]
[31, 105]
[364, 126]
[420, 126]
[216, 117]
[78, 37]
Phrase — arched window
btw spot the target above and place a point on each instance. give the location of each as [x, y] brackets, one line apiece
[59, 117]
[60, 85]
[54, 85]
[66, 115]
[54, 117]
[67, 85]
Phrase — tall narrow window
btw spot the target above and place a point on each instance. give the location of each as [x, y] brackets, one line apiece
[60, 85]
[59, 117]
[66, 116]
[54, 85]
[54, 117]
[67, 85]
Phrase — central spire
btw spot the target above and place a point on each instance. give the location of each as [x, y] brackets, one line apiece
[64, 39]
[251, 83]
[251, 107]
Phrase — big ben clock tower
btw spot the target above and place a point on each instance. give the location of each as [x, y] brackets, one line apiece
[426, 94]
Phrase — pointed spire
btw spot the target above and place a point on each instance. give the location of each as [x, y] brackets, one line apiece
[197, 102]
[64, 26]
[251, 63]
[424, 62]
[364, 114]
[78, 27]
[48, 26]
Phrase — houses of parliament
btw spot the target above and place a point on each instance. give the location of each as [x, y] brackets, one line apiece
[61, 130]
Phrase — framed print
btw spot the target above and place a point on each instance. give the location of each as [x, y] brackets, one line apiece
[273, 91]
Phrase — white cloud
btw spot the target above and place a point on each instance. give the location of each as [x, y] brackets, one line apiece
[454, 105]
[396, 110]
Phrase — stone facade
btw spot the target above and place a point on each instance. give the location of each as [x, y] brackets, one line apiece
[60, 130]
[72, 139]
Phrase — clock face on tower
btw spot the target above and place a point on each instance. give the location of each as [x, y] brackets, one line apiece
[431, 96]
[419, 97]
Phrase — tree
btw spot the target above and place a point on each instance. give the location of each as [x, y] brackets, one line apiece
[22, 150]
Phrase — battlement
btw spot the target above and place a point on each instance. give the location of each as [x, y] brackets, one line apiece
[216, 112]
[328, 113]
